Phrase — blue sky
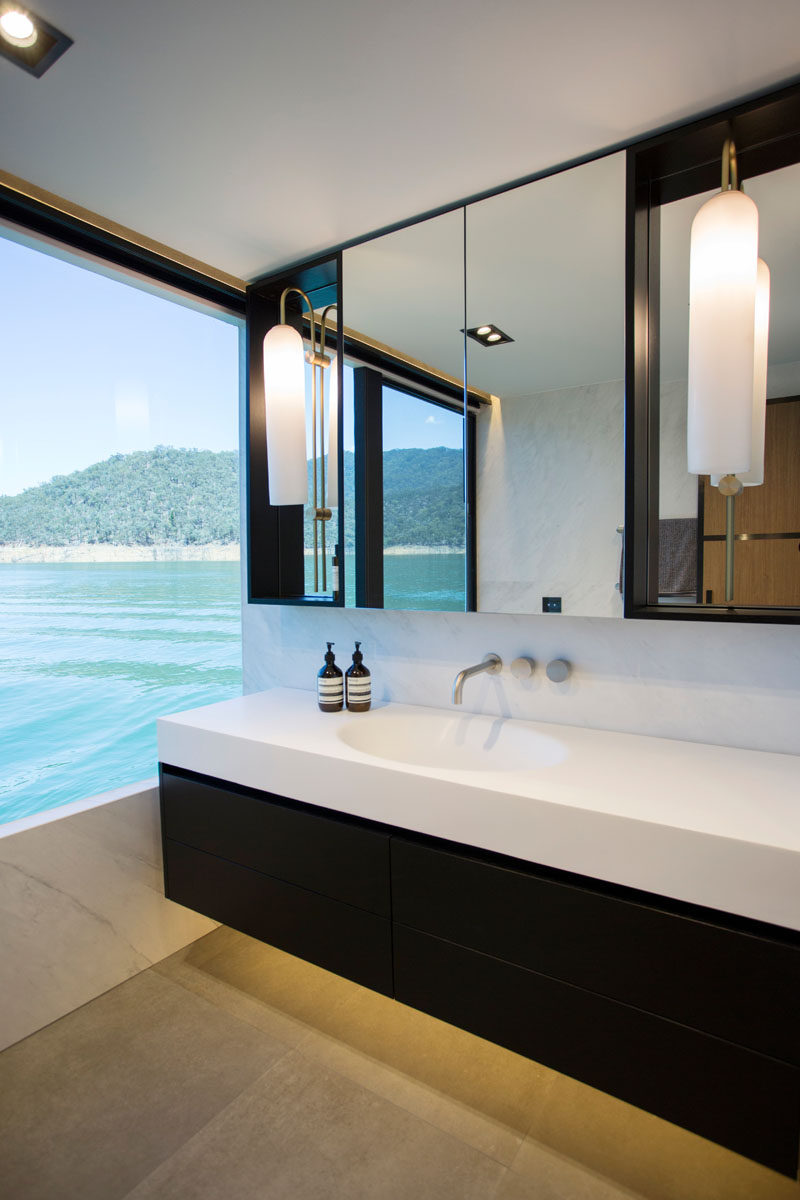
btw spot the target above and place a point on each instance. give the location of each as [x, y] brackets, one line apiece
[93, 367]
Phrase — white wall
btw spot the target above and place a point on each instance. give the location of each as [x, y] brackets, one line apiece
[730, 685]
[550, 495]
[82, 906]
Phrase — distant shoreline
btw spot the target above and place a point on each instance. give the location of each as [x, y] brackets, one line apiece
[102, 552]
[105, 552]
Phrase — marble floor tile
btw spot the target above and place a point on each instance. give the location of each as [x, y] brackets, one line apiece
[96, 1101]
[302, 1132]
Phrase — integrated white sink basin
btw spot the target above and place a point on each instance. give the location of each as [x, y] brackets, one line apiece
[714, 826]
[445, 741]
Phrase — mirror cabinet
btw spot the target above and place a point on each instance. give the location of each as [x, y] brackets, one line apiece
[510, 385]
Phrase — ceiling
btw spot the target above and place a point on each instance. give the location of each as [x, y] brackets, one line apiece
[248, 134]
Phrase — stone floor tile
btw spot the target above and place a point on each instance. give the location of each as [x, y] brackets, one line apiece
[91, 1104]
[302, 1132]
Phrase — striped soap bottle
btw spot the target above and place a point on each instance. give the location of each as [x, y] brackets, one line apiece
[330, 684]
[358, 684]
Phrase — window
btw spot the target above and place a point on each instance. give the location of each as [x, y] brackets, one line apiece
[119, 519]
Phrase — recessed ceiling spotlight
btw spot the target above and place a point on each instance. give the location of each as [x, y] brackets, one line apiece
[488, 335]
[28, 40]
[17, 27]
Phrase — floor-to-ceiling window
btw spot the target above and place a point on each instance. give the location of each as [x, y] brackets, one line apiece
[119, 520]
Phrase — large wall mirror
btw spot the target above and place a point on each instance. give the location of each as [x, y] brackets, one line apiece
[546, 270]
[493, 338]
[695, 552]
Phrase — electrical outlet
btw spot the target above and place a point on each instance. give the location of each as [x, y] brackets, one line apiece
[551, 604]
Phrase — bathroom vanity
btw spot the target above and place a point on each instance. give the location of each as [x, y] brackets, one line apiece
[538, 885]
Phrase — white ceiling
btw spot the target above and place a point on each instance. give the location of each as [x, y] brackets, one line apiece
[248, 134]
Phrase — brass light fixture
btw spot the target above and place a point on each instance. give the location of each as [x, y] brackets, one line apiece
[285, 403]
[728, 336]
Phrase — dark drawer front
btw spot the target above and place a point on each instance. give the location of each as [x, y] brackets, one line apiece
[346, 940]
[326, 855]
[742, 1100]
[736, 986]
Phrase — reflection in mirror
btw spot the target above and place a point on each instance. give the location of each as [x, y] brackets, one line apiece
[546, 268]
[403, 418]
[692, 513]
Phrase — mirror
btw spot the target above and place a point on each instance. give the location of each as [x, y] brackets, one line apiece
[692, 513]
[403, 419]
[543, 427]
[546, 267]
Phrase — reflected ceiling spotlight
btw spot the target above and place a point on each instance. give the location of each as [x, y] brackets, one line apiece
[488, 335]
[728, 341]
[28, 40]
[285, 405]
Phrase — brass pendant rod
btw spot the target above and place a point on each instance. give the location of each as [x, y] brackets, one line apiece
[300, 292]
[730, 542]
[314, 468]
[730, 167]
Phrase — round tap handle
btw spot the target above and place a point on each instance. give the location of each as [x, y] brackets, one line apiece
[558, 670]
[523, 668]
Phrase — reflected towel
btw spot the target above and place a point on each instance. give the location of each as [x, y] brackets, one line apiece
[677, 556]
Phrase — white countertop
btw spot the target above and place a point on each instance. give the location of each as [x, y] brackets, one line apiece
[707, 824]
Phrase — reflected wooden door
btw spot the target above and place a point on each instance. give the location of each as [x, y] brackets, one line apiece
[767, 552]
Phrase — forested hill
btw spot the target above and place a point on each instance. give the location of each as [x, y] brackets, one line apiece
[149, 497]
[191, 497]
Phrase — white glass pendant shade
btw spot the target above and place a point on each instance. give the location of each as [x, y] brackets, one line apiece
[722, 298]
[285, 402]
[755, 476]
[332, 476]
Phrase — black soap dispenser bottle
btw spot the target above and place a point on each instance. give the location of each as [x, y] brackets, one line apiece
[330, 684]
[358, 684]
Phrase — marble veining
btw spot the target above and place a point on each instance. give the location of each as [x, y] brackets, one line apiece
[82, 908]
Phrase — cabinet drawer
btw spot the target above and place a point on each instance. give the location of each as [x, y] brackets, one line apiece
[731, 984]
[343, 939]
[333, 856]
[745, 1101]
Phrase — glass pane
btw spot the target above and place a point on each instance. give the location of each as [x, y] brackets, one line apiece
[119, 522]
[423, 504]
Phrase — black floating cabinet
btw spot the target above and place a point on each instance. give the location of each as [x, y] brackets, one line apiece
[687, 1013]
[313, 884]
[710, 977]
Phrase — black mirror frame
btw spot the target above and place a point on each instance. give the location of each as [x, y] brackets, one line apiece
[684, 162]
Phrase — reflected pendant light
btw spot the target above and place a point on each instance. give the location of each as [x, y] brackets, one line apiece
[722, 303]
[332, 480]
[755, 476]
[285, 400]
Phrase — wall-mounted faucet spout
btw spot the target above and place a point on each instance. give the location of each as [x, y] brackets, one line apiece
[492, 664]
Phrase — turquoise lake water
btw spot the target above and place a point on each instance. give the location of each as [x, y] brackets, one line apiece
[91, 654]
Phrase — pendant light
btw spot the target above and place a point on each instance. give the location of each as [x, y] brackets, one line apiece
[722, 313]
[755, 476]
[285, 407]
[285, 404]
[332, 449]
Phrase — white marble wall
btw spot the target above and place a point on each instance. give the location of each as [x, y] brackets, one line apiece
[82, 906]
[550, 495]
[729, 685]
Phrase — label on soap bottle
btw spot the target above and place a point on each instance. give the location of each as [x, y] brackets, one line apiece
[330, 689]
[359, 689]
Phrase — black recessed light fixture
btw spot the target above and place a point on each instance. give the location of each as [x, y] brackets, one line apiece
[488, 335]
[28, 40]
